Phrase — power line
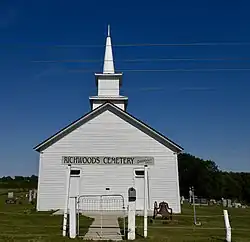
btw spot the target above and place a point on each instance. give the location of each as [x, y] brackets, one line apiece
[142, 60]
[17, 45]
[150, 89]
[170, 70]
[187, 44]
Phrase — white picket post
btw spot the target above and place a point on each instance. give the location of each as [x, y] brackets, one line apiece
[145, 201]
[72, 217]
[131, 213]
[66, 202]
[131, 220]
[227, 225]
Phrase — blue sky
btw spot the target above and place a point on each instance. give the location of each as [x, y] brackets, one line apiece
[205, 112]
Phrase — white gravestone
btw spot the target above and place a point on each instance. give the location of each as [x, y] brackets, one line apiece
[30, 196]
[229, 203]
[190, 195]
[10, 195]
[34, 194]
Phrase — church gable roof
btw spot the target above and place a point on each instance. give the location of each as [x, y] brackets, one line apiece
[117, 111]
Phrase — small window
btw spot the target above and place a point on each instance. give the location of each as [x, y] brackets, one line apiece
[75, 172]
[139, 173]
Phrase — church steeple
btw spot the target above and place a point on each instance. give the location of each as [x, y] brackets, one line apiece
[108, 82]
[108, 65]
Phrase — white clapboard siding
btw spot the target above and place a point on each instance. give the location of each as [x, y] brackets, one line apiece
[107, 135]
[108, 87]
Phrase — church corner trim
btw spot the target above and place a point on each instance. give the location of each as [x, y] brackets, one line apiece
[117, 111]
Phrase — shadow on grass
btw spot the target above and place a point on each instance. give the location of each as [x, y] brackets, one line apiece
[217, 239]
[124, 233]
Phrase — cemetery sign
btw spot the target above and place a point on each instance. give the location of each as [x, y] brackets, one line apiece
[107, 160]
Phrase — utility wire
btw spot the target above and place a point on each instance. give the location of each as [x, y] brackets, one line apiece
[142, 60]
[16, 45]
[150, 89]
[188, 44]
[170, 70]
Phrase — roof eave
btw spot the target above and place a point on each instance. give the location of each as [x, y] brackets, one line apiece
[168, 141]
[175, 146]
[42, 144]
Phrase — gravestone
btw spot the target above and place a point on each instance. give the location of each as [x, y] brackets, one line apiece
[224, 202]
[30, 196]
[10, 195]
[237, 205]
[197, 200]
[229, 203]
[212, 202]
[34, 194]
[203, 201]
[190, 195]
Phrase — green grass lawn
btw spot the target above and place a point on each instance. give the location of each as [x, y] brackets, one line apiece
[20, 222]
[212, 226]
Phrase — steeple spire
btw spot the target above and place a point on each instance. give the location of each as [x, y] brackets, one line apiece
[108, 66]
[108, 82]
[108, 30]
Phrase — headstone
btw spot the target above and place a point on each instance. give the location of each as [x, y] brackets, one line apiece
[30, 196]
[229, 203]
[212, 202]
[190, 195]
[182, 199]
[197, 200]
[204, 201]
[34, 194]
[237, 205]
[224, 202]
[10, 195]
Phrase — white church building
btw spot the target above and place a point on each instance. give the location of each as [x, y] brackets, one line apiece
[106, 148]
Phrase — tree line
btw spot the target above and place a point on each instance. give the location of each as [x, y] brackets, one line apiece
[210, 182]
[204, 175]
[19, 182]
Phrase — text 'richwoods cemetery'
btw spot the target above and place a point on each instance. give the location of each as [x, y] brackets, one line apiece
[106, 160]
